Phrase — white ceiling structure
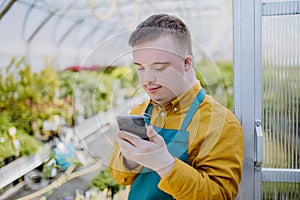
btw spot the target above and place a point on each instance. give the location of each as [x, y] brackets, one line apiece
[95, 32]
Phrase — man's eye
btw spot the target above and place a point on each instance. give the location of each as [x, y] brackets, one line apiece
[160, 67]
[139, 67]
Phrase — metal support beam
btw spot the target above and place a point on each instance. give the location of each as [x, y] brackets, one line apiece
[280, 8]
[44, 22]
[23, 165]
[281, 175]
[7, 7]
[63, 37]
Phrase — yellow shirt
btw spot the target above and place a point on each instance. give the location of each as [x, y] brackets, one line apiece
[215, 152]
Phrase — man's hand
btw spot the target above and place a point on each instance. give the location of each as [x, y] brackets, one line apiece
[152, 154]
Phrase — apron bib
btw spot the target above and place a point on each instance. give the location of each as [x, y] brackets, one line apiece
[145, 184]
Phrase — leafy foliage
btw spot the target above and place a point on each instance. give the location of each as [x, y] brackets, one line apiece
[104, 180]
[217, 80]
[27, 98]
[92, 92]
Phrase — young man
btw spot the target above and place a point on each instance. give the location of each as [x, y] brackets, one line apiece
[195, 148]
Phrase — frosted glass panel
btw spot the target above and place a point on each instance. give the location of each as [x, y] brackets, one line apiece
[281, 98]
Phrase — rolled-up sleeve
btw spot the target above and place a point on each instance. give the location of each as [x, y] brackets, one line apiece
[119, 171]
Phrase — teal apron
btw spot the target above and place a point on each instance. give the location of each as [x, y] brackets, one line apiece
[145, 184]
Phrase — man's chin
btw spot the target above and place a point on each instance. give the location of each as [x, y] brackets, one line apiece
[156, 98]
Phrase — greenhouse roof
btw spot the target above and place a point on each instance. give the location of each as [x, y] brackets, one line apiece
[95, 32]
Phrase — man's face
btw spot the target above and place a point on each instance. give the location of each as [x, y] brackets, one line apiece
[160, 69]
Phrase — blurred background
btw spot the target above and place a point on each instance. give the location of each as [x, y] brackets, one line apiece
[66, 71]
[81, 31]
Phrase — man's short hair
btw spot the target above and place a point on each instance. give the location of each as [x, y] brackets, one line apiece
[159, 25]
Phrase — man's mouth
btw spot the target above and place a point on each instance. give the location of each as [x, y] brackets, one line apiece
[152, 88]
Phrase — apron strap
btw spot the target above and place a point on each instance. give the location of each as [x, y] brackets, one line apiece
[147, 114]
[193, 108]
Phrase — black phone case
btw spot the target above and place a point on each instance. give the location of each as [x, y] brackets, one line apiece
[134, 124]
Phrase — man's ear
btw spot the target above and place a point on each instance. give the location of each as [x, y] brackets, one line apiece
[188, 62]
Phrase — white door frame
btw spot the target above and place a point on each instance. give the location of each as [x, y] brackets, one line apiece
[248, 90]
[247, 30]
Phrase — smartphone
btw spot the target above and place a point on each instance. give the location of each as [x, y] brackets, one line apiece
[134, 124]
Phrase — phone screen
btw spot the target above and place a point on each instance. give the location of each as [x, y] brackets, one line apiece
[134, 124]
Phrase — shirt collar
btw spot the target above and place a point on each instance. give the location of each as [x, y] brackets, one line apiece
[183, 101]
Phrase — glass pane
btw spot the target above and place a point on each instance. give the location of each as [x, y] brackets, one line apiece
[277, 191]
[281, 97]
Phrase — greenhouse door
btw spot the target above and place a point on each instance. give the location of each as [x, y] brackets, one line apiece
[267, 96]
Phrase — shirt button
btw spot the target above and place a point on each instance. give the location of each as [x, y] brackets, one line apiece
[162, 114]
[175, 109]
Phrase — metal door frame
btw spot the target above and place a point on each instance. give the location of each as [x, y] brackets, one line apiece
[247, 57]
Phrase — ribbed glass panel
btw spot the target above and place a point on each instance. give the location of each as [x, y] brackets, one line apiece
[281, 97]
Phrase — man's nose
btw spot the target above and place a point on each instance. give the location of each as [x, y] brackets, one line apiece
[149, 75]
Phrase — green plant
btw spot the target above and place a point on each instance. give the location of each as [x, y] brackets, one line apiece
[29, 144]
[27, 98]
[48, 166]
[104, 180]
[280, 190]
[92, 92]
[217, 80]
[6, 145]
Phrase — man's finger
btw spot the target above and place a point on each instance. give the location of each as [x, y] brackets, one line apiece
[133, 139]
[153, 136]
[125, 144]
